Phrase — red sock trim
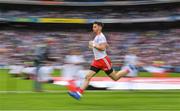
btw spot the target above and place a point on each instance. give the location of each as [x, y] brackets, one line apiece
[80, 90]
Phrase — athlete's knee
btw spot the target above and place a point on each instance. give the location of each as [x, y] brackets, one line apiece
[116, 79]
[113, 78]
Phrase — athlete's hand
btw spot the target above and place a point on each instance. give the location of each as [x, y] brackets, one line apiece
[91, 44]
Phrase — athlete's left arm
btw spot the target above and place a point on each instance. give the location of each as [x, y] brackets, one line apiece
[101, 46]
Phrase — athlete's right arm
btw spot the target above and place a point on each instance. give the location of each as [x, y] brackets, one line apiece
[101, 46]
[91, 44]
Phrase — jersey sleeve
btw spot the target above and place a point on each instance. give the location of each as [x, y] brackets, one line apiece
[102, 39]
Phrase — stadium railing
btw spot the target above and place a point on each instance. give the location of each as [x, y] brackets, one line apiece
[87, 21]
[105, 3]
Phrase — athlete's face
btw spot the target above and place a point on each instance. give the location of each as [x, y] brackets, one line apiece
[96, 28]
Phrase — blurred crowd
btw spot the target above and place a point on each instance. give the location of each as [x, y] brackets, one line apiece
[86, 0]
[17, 46]
[83, 0]
[90, 13]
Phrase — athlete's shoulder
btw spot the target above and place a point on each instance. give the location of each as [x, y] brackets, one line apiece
[102, 35]
[100, 38]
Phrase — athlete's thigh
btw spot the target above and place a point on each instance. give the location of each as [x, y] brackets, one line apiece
[90, 73]
[112, 75]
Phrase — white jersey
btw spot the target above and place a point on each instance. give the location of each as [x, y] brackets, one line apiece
[98, 40]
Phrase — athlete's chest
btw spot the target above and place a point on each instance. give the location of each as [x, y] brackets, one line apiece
[97, 39]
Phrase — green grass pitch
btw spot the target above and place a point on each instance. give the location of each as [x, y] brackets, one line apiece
[17, 94]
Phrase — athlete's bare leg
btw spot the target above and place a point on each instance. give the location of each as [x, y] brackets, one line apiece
[87, 79]
[117, 75]
[114, 75]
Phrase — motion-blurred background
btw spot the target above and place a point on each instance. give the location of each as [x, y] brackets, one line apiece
[152, 27]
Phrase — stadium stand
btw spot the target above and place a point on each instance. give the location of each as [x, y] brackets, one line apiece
[154, 44]
[91, 13]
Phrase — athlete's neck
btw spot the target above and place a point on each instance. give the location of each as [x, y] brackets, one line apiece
[98, 33]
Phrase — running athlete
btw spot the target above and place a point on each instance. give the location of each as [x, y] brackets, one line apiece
[101, 61]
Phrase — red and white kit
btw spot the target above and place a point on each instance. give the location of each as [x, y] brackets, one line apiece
[101, 60]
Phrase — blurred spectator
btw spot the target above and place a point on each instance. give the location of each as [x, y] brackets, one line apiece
[92, 13]
[159, 45]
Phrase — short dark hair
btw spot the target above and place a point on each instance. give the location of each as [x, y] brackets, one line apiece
[99, 23]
